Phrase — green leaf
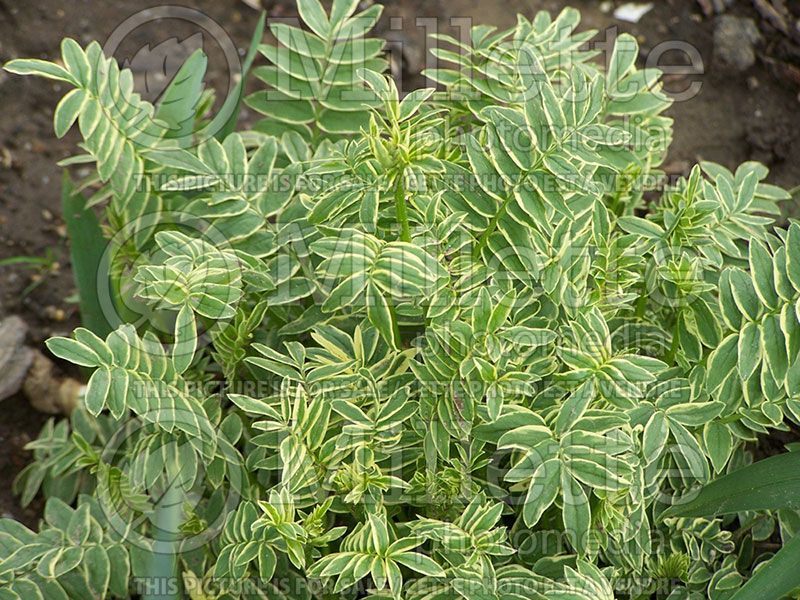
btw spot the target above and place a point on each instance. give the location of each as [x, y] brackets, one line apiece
[576, 513]
[687, 445]
[359, 24]
[179, 102]
[43, 68]
[718, 442]
[626, 49]
[774, 344]
[793, 255]
[68, 109]
[97, 391]
[646, 229]
[73, 351]
[707, 326]
[280, 106]
[87, 248]
[351, 412]
[380, 534]
[722, 361]
[542, 491]
[120, 568]
[762, 272]
[340, 10]
[267, 561]
[775, 579]
[654, 439]
[769, 484]
[419, 563]
[695, 414]
[745, 294]
[730, 312]
[224, 121]
[749, 349]
[605, 474]
[380, 315]
[314, 16]
[524, 437]
[98, 571]
[575, 406]
[76, 62]
[185, 339]
[79, 526]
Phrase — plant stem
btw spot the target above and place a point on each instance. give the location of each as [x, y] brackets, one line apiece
[490, 228]
[162, 571]
[641, 302]
[748, 526]
[673, 348]
[395, 326]
[400, 208]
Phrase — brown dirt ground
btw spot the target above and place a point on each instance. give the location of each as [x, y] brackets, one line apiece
[735, 117]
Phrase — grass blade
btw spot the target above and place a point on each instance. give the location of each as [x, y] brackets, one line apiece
[776, 578]
[769, 484]
[225, 120]
[87, 245]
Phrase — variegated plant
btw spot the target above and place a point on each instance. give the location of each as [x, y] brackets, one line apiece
[448, 344]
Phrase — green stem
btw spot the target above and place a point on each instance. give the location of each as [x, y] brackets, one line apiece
[162, 572]
[400, 208]
[641, 302]
[748, 526]
[673, 348]
[395, 326]
[491, 227]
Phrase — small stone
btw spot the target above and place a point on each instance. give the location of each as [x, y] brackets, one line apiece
[734, 39]
[47, 215]
[632, 12]
[606, 6]
[6, 159]
[752, 82]
[55, 314]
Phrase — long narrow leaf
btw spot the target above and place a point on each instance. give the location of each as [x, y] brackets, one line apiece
[225, 121]
[769, 484]
[776, 578]
[87, 245]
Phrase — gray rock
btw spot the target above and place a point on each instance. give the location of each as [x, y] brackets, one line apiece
[734, 41]
[15, 358]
